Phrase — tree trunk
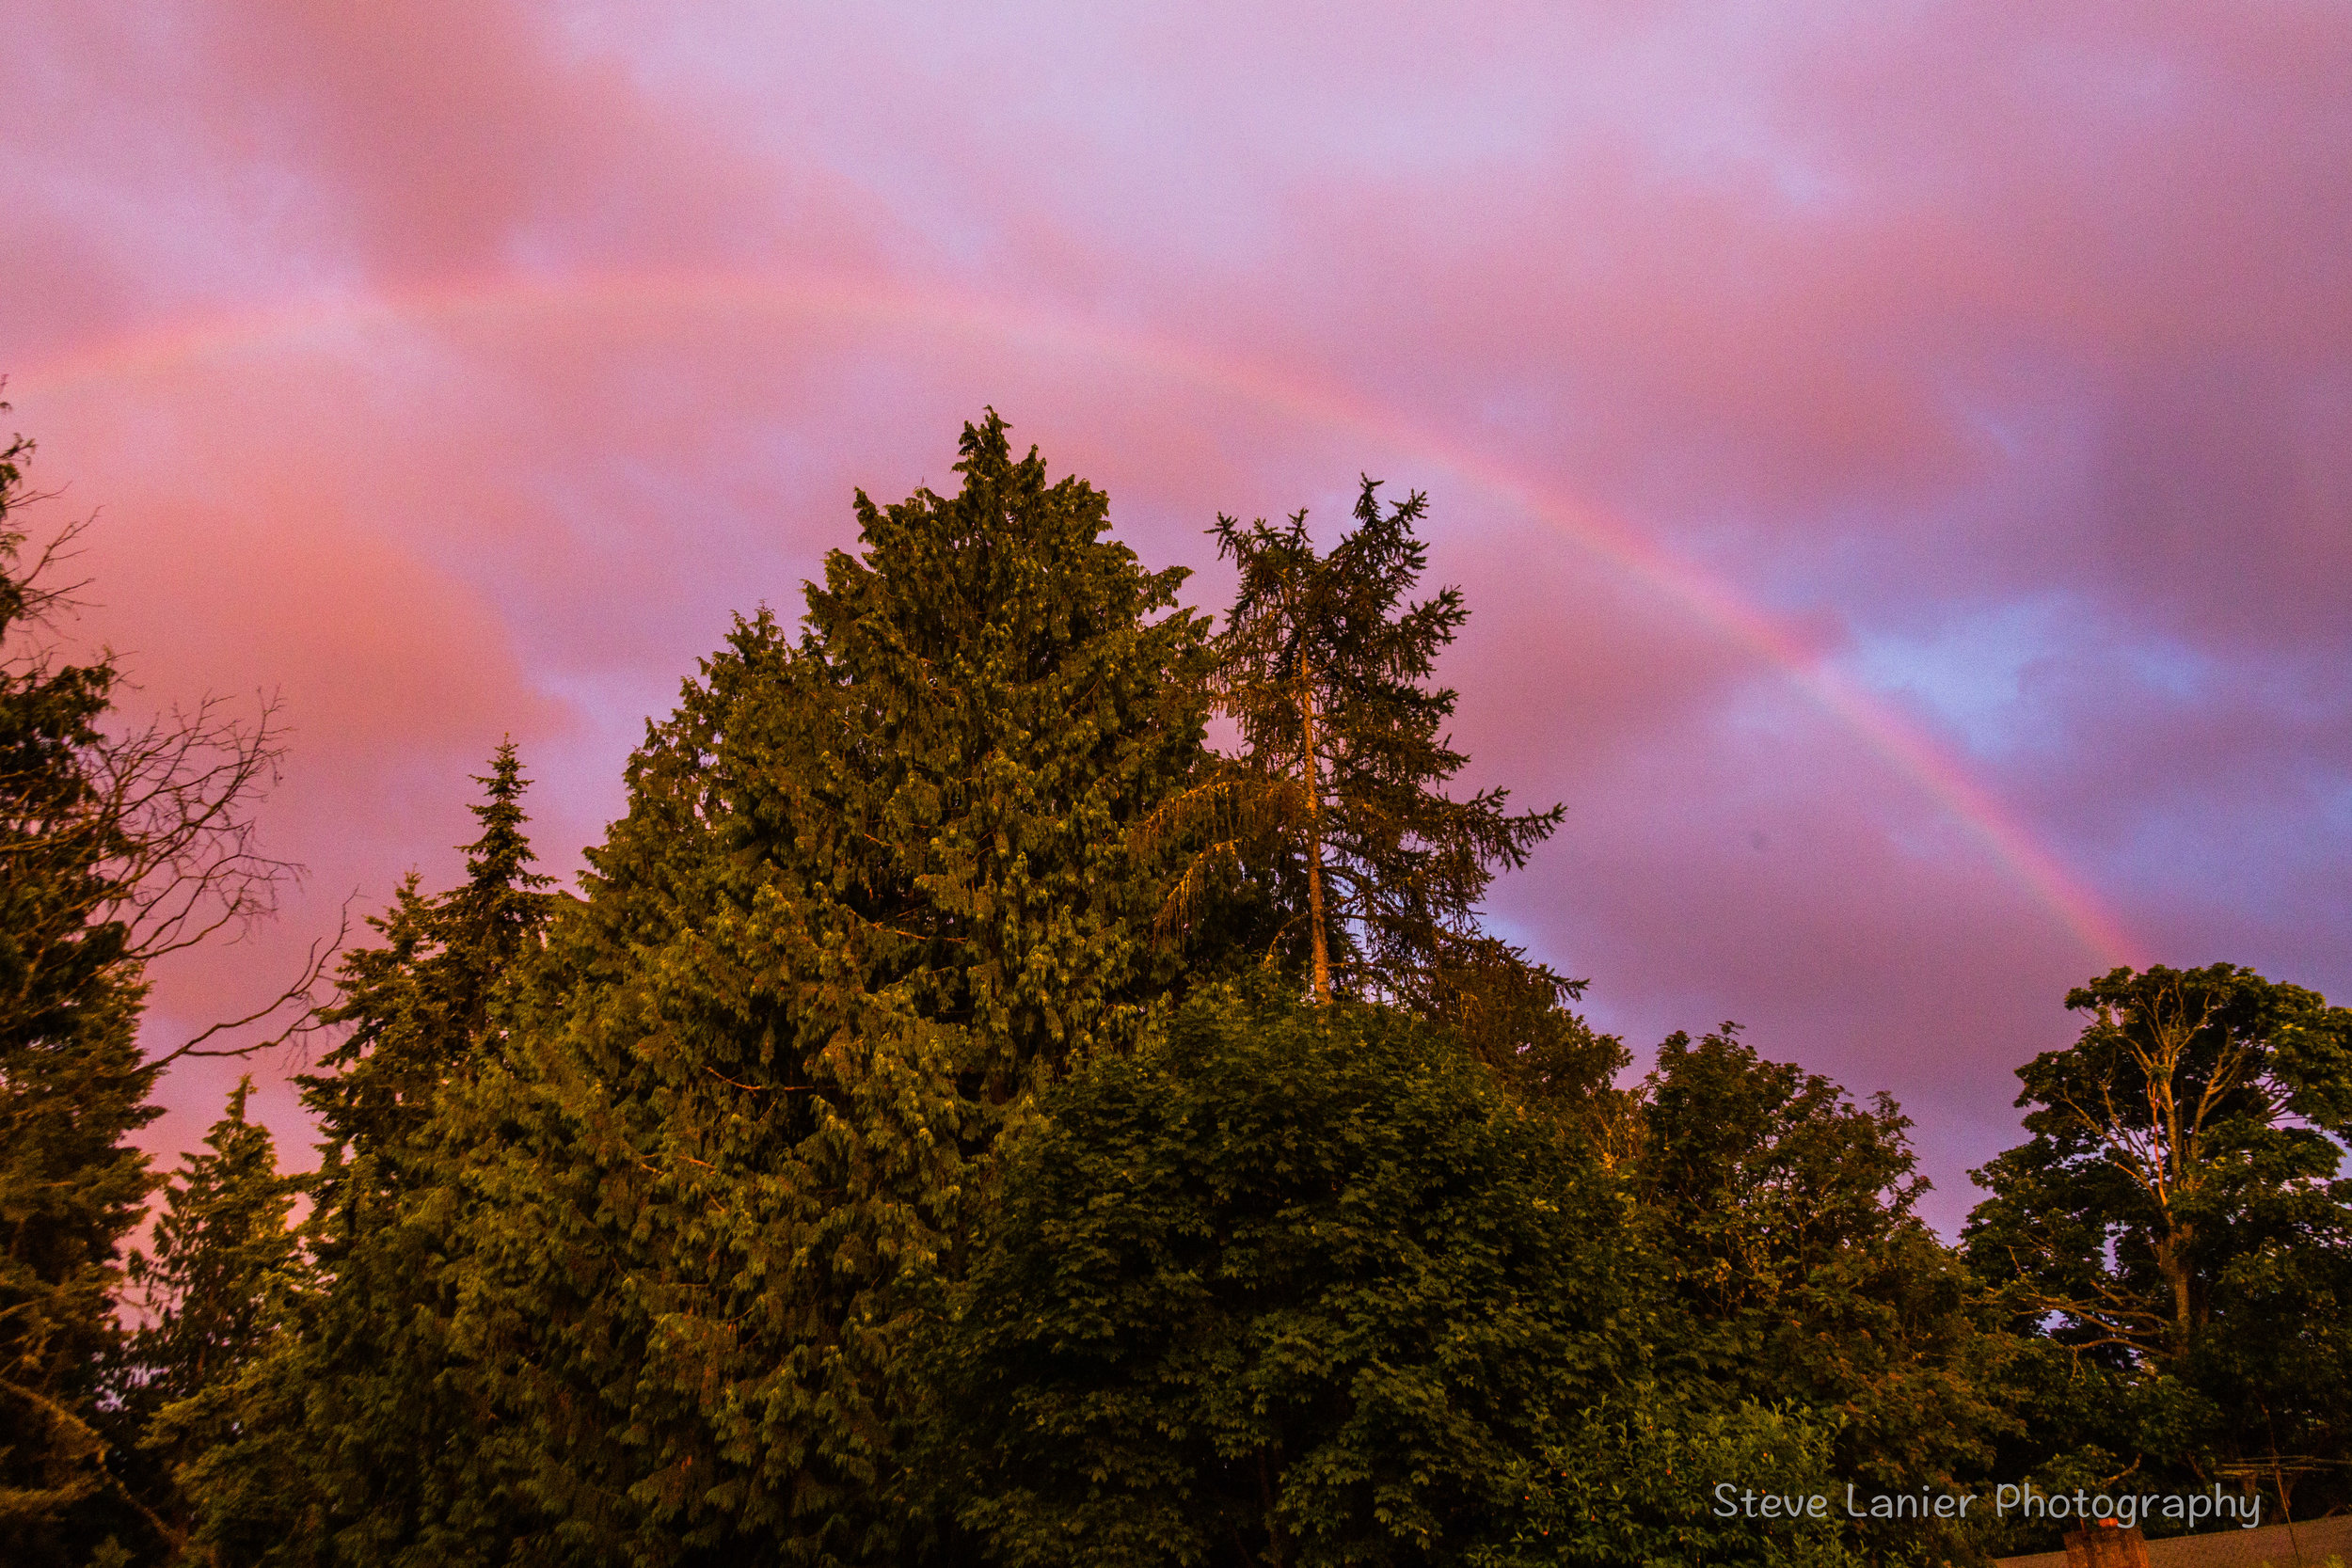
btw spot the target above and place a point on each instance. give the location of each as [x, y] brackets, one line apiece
[1275, 1554]
[2172, 1264]
[1314, 831]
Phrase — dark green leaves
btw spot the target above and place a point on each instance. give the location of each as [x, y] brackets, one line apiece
[2178, 1223]
[1299, 1284]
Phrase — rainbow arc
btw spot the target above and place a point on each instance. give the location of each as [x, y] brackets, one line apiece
[649, 296]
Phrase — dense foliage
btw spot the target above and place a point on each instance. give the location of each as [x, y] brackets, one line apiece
[213, 1289]
[963, 1118]
[1800, 1277]
[873, 886]
[1294, 1285]
[2176, 1226]
[119, 843]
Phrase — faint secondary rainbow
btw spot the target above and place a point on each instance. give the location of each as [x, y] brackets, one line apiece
[650, 296]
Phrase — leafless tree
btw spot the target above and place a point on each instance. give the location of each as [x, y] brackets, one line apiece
[160, 820]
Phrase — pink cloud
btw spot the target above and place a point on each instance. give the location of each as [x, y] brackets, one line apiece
[1888, 319]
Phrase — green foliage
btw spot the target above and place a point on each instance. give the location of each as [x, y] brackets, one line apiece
[73, 1085]
[119, 843]
[1297, 1285]
[417, 1006]
[2177, 1223]
[1324, 664]
[1803, 1277]
[214, 1291]
[858, 1173]
[1638, 1486]
[360, 1436]
[871, 886]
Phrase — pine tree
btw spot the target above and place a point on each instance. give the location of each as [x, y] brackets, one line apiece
[361, 1436]
[872, 886]
[1324, 664]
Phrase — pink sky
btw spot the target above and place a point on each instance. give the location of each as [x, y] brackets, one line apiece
[1899, 457]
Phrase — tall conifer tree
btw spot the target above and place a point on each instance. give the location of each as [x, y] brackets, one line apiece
[73, 1085]
[362, 1436]
[417, 1007]
[1325, 662]
[872, 884]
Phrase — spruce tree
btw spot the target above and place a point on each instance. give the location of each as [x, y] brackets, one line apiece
[874, 883]
[213, 1289]
[417, 1006]
[1324, 663]
[361, 1436]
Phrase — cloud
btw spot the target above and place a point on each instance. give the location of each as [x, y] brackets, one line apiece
[2002, 358]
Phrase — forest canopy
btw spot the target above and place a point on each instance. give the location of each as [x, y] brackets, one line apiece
[965, 1115]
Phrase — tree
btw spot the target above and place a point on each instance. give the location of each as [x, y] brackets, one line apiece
[214, 1291]
[1635, 1483]
[1324, 663]
[119, 844]
[1784, 1217]
[2176, 1219]
[871, 888]
[1298, 1285]
[417, 1007]
[360, 1439]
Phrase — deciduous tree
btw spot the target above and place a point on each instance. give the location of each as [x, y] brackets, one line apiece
[2177, 1217]
[1801, 1276]
[1299, 1285]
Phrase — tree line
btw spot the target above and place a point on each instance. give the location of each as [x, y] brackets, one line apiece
[962, 1115]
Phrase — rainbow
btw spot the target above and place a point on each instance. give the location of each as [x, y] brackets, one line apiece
[650, 296]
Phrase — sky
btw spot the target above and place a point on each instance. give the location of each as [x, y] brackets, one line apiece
[1897, 456]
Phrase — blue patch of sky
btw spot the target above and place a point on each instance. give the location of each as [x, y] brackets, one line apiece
[1972, 671]
[1969, 670]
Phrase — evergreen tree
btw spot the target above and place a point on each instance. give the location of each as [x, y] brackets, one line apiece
[1324, 663]
[73, 1085]
[119, 844]
[871, 887]
[361, 1436]
[214, 1291]
[419, 1008]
